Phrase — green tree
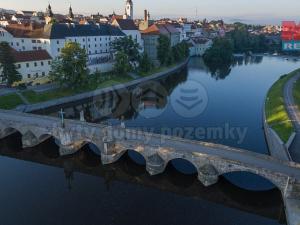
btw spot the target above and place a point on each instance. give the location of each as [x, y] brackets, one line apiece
[128, 46]
[220, 53]
[180, 51]
[164, 50]
[70, 69]
[9, 73]
[145, 64]
[122, 65]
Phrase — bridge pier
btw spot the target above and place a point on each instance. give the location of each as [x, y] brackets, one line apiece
[155, 164]
[69, 149]
[208, 175]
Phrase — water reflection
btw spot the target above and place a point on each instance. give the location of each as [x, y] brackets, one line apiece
[118, 176]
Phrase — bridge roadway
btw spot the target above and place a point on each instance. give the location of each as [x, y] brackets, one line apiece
[210, 159]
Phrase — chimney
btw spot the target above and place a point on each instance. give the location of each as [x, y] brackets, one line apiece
[145, 15]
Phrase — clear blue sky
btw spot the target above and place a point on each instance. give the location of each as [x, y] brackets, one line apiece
[257, 11]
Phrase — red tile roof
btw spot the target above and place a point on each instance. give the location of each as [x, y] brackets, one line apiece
[157, 29]
[152, 30]
[29, 56]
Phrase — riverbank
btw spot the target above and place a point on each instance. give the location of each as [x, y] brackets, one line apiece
[105, 87]
[94, 87]
[276, 113]
[296, 93]
[10, 101]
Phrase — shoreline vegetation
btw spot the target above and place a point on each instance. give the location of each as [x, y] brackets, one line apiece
[276, 113]
[296, 93]
[94, 82]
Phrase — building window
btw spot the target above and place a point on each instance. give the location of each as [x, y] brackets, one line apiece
[22, 40]
[38, 41]
[88, 39]
[12, 44]
[42, 63]
[95, 39]
[35, 64]
[17, 43]
[37, 75]
[28, 75]
[33, 41]
[23, 48]
[49, 62]
[19, 66]
[39, 48]
[96, 52]
[57, 42]
[90, 53]
[95, 46]
[43, 74]
[45, 42]
[34, 48]
[83, 39]
[27, 65]
[58, 50]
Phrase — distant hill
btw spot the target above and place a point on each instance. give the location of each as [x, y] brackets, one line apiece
[8, 11]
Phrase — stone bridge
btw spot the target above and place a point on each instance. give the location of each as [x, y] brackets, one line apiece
[210, 160]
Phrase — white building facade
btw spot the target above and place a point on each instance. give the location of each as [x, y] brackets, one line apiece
[95, 39]
[198, 46]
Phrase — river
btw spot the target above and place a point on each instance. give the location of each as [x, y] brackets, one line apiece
[223, 106]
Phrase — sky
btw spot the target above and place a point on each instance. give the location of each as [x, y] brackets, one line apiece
[248, 11]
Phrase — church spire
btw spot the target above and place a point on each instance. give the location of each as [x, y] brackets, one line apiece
[71, 15]
[49, 12]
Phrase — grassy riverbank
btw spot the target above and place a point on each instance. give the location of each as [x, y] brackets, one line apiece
[297, 93]
[93, 83]
[10, 101]
[277, 116]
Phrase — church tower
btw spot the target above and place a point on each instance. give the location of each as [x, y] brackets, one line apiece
[71, 14]
[129, 10]
[49, 15]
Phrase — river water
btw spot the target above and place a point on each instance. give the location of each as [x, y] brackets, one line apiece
[223, 106]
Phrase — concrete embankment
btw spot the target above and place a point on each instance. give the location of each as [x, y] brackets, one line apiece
[89, 95]
[276, 146]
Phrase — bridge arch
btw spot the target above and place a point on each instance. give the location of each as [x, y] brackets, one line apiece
[44, 137]
[136, 156]
[183, 166]
[95, 148]
[278, 181]
[10, 130]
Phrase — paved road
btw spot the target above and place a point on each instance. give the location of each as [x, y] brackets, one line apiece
[294, 115]
[37, 88]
